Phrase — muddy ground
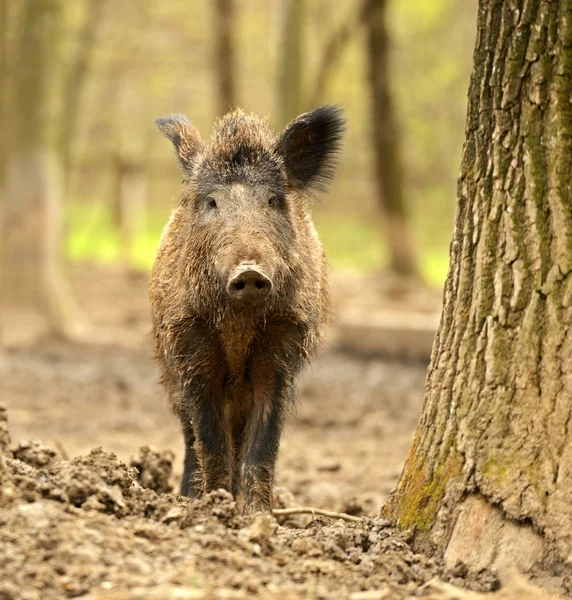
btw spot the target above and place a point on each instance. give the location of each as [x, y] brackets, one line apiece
[78, 521]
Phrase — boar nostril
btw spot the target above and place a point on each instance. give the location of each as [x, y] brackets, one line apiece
[248, 285]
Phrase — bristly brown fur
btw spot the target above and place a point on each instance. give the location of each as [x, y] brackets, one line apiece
[241, 148]
[230, 371]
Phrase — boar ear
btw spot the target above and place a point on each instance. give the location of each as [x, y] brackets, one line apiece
[309, 146]
[185, 138]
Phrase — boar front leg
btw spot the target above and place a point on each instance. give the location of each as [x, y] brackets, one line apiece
[197, 358]
[204, 401]
[278, 358]
[272, 391]
[190, 484]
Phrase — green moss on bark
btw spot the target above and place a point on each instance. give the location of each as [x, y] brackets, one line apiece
[417, 502]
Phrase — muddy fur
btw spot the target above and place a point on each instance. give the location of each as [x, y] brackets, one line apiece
[230, 369]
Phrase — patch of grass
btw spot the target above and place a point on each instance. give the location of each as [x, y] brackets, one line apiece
[92, 236]
[350, 244]
[89, 234]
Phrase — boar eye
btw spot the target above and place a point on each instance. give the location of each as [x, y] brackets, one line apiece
[211, 202]
[273, 201]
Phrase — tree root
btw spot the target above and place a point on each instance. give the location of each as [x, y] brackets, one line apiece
[308, 510]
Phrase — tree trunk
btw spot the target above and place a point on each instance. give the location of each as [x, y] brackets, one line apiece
[290, 60]
[3, 85]
[76, 78]
[489, 477]
[129, 195]
[33, 293]
[385, 140]
[335, 47]
[224, 69]
[129, 204]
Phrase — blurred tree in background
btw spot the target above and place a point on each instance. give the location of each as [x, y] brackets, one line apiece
[75, 78]
[386, 145]
[3, 85]
[290, 51]
[223, 34]
[335, 47]
[32, 285]
[105, 70]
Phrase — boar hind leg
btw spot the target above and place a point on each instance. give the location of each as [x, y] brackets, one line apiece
[271, 395]
[204, 403]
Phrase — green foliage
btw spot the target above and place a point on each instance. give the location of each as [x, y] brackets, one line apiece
[350, 244]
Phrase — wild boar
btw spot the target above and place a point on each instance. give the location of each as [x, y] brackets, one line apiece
[239, 291]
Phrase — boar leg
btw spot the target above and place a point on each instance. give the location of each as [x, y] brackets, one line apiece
[263, 439]
[190, 484]
[238, 432]
[204, 404]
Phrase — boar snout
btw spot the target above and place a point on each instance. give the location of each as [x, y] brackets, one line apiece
[248, 284]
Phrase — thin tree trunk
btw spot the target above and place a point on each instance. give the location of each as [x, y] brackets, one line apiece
[33, 293]
[129, 197]
[3, 84]
[76, 78]
[290, 59]
[3, 116]
[336, 46]
[129, 204]
[225, 55]
[386, 146]
[489, 477]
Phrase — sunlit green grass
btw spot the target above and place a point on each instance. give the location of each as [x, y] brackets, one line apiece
[91, 236]
[351, 244]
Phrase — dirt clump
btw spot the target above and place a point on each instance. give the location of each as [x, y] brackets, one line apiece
[35, 454]
[154, 469]
[5, 439]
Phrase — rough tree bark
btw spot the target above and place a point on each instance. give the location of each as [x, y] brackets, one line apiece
[489, 475]
[386, 145]
[290, 59]
[34, 298]
[224, 59]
